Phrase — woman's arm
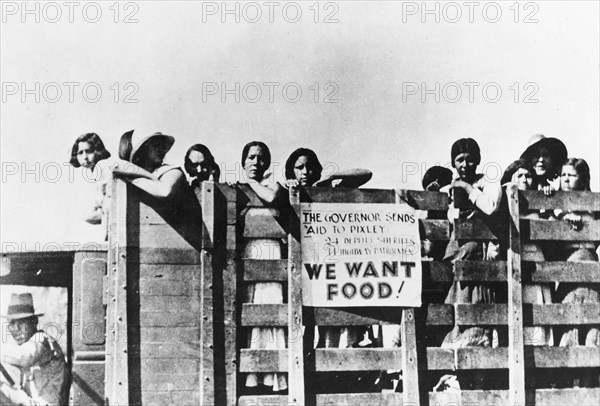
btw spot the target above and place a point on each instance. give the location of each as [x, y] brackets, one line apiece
[164, 188]
[348, 178]
[268, 194]
[486, 199]
[127, 170]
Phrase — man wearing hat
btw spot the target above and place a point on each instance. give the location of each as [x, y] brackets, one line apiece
[39, 358]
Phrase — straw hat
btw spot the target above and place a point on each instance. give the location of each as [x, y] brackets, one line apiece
[20, 307]
[128, 147]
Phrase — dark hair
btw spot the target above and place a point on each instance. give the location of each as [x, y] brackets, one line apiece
[203, 149]
[439, 174]
[583, 170]
[312, 157]
[264, 148]
[513, 167]
[97, 145]
[466, 145]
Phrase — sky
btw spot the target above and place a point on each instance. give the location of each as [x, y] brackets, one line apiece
[382, 85]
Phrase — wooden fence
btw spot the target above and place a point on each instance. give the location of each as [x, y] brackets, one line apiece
[200, 313]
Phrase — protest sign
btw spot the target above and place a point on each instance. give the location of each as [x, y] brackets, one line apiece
[360, 255]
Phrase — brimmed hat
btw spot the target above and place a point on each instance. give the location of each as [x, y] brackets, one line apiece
[126, 144]
[555, 147]
[20, 307]
[439, 174]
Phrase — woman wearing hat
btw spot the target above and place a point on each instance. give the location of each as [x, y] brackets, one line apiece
[546, 156]
[38, 357]
[166, 186]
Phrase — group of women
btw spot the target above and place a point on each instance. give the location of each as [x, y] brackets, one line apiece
[544, 165]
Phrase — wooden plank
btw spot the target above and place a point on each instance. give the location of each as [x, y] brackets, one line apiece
[166, 366]
[164, 382]
[264, 315]
[229, 282]
[326, 359]
[175, 351]
[410, 372]
[169, 304]
[481, 314]
[422, 200]
[516, 348]
[560, 397]
[352, 316]
[434, 230]
[587, 272]
[567, 201]
[263, 224]
[473, 230]
[149, 216]
[168, 334]
[167, 287]
[440, 359]
[440, 315]
[469, 397]
[168, 256]
[162, 236]
[330, 399]
[437, 272]
[268, 270]
[480, 271]
[168, 319]
[295, 344]
[168, 272]
[557, 314]
[562, 357]
[481, 358]
[343, 195]
[544, 230]
[170, 397]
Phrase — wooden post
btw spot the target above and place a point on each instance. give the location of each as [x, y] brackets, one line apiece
[117, 373]
[230, 300]
[207, 369]
[408, 335]
[296, 395]
[516, 348]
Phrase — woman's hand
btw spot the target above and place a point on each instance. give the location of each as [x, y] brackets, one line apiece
[464, 185]
[574, 220]
[548, 190]
[292, 184]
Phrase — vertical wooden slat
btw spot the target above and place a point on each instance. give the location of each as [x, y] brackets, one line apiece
[295, 343]
[207, 370]
[230, 295]
[408, 335]
[117, 373]
[516, 364]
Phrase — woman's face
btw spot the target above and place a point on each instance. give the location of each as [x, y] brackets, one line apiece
[542, 162]
[523, 179]
[465, 165]
[255, 164]
[570, 179]
[155, 153]
[304, 171]
[199, 167]
[86, 155]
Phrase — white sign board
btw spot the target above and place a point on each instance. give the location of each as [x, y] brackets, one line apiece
[357, 254]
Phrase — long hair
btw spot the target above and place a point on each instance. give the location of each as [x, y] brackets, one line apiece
[312, 158]
[208, 156]
[583, 170]
[466, 145]
[263, 146]
[514, 167]
[97, 145]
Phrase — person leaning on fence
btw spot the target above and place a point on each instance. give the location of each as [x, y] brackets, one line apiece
[39, 358]
[483, 200]
[256, 159]
[200, 165]
[166, 184]
[520, 173]
[303, 169]
[575, 176]
[89, 154]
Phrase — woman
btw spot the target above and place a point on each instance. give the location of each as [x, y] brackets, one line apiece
[166, 186]
[200, 164]
[256, 159]
[521, 174]
[303, 168]
[546, 156]
[88, 152]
